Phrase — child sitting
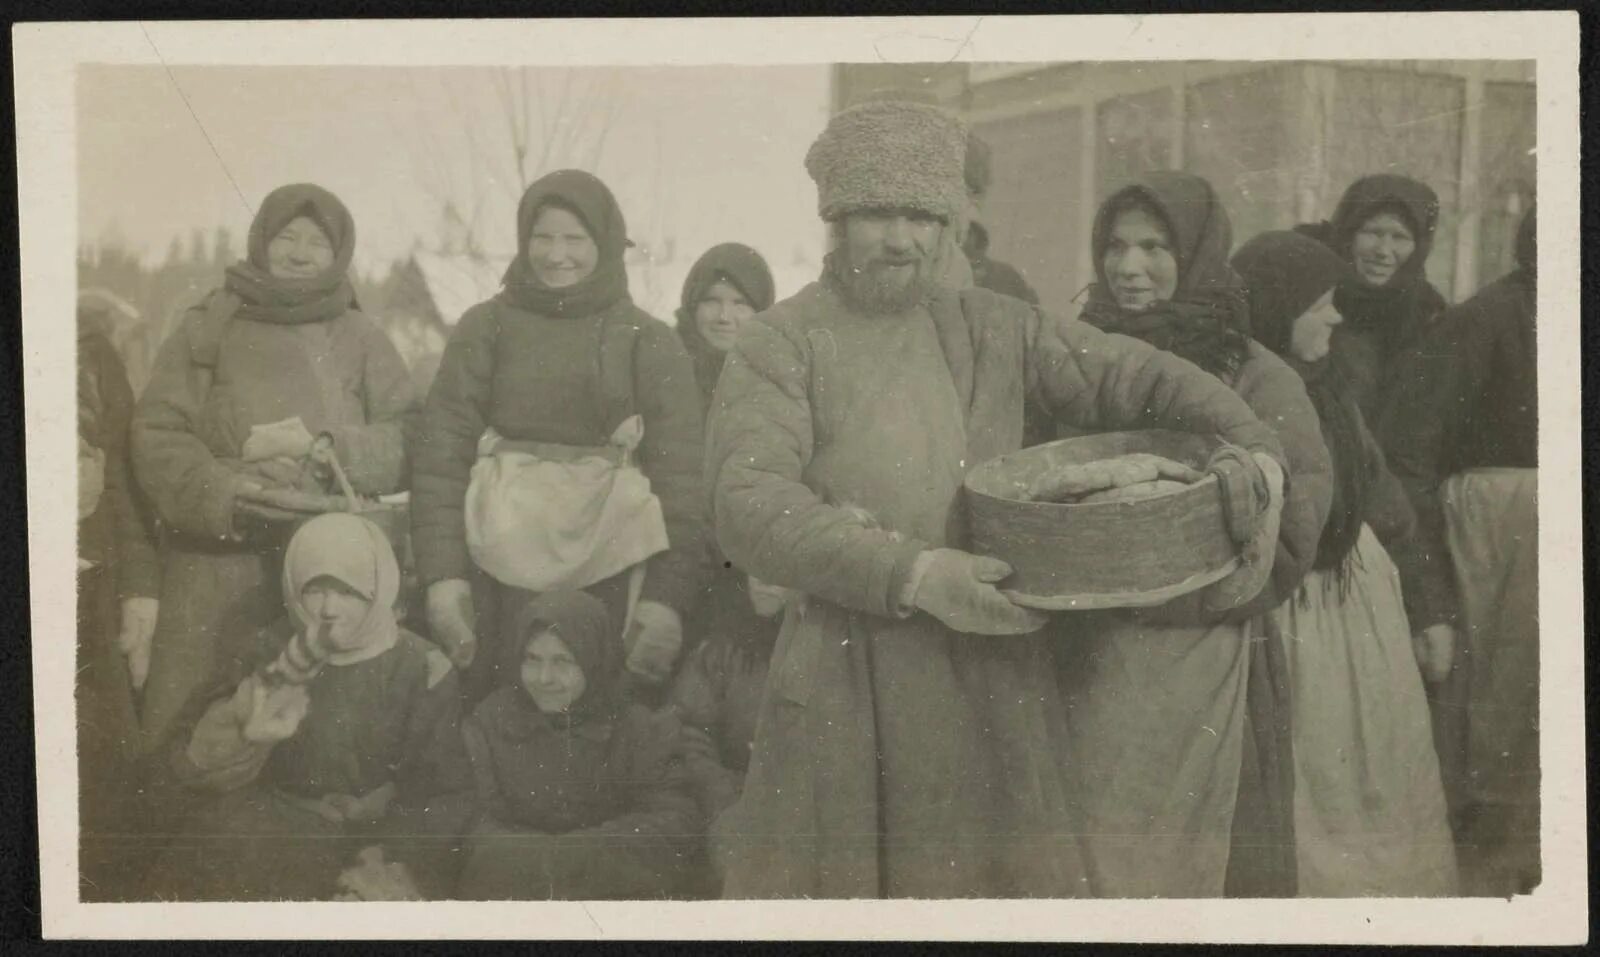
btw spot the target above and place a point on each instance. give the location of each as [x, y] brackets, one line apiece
[580, 796]
[346, 745]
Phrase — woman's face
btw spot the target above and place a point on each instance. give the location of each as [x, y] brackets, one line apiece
[1311, 333]
[301, 250]
[550, 674]
[720, 313]
[337, 609]
[1380, 247]
[561, 251]
[1140, 266]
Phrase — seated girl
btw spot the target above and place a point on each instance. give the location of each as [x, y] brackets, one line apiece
[580, 797]
[343, 751]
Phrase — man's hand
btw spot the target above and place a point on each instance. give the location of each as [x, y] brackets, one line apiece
[957, 588]
[653, 641]
[1435, 648]
[453, 620]
[138, 630]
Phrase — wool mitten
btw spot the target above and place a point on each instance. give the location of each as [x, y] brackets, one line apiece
[957, 588]
[452, 620]
[653, 641]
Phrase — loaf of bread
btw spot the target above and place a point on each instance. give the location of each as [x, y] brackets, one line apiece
[1075, 483]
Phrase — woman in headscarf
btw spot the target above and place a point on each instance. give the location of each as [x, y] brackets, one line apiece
[1463, 436]
[275, 358]
[342, 734]
[561, 446]
[581, 795]
[1384, 226]
[724, 288]
[1160, 743]
[1369, 809]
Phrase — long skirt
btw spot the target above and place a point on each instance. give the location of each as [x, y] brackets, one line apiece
[1155, 719]
[1492, 526]
[1370, 816]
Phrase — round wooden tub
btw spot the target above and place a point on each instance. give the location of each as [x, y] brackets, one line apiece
[1114, 554]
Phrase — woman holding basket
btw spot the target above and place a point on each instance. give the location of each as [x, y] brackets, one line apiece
[223, 434]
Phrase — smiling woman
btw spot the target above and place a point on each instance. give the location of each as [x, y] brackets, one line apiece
[1138, 260]
[1381, 247]
[300, 250]
[1384, 227]
[275, 357]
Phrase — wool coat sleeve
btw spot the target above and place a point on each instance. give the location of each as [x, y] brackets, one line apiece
[1095, 380]
[1277, 396]
[217, 756]
[671, 455]
[1435, 382]
[453, 418]
[768, 521]
[373, 454]
[1394, 521]
[192, 490]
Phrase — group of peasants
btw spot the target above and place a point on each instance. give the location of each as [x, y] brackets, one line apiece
[622, 609]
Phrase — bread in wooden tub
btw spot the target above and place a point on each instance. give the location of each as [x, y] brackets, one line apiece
[1135, 533]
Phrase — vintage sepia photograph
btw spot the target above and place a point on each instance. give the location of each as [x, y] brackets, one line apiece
[1058, 466]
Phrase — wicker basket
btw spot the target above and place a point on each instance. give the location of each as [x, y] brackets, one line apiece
[1112, 554]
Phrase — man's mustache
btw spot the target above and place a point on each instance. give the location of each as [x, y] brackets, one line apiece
[886, 262]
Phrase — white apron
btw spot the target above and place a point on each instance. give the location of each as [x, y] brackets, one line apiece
[1369, 808]
[541, 516]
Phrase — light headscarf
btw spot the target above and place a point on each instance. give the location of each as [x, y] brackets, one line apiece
[355, 552]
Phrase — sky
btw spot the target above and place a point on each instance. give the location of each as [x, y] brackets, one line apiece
[700, 155]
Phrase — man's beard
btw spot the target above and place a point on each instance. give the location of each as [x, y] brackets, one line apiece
[875, 289]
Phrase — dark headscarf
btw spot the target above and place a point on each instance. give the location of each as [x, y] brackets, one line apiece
[1397, 310]
[586, 197]
[584, 626]
[729, 262]
[1286, 272]
[268, 298]
[1207, 319]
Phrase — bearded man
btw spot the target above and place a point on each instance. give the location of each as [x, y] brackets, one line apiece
[909, 736]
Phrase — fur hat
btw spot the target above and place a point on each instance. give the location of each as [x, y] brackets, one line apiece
[890, 154]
